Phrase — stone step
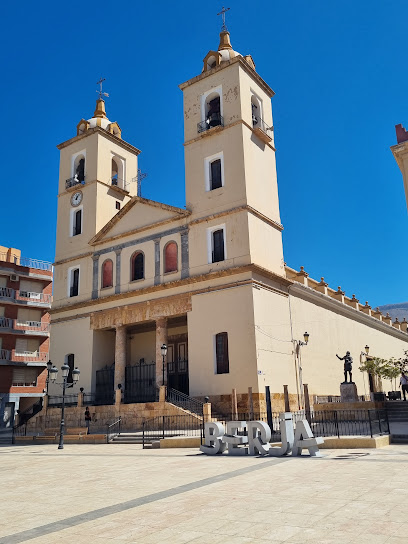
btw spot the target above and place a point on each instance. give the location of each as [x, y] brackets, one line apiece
[397, 417]
[399, 438]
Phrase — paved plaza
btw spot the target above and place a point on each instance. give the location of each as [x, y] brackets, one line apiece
[122, 493]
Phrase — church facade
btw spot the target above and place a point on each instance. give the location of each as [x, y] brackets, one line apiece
[208, 281]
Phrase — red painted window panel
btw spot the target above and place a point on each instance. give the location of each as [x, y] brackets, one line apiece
[170, 257]
[107, 273]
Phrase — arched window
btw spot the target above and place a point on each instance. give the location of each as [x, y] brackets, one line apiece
[213, 110]
[79, 168]
[170, 257]
[256, 111]
[137, 266]
[118, 172]
[77, 226]
[114, 172]
[107, 273]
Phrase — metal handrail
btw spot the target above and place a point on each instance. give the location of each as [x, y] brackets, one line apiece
[38, 326]
[111, 432]
[5, 354]
[71, 182]
[258, 122]
[184, 401]
[214, 120]
[26, 261]
[7, 292]
[27, 356]
[33, 296]
[6, 323]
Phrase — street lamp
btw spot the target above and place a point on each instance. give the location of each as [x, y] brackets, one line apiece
[366, 352]
[53, 371]
[300, 343]
[164, 353]
[49, 366]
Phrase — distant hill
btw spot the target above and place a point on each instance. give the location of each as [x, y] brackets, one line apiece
[396, 310]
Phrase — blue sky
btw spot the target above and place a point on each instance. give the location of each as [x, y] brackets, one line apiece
[339, 73]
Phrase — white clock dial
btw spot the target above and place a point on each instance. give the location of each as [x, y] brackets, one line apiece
[76, 198]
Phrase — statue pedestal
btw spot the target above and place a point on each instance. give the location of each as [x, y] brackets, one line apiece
[348, 392]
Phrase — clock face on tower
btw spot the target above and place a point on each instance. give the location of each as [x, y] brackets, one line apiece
[76, 198]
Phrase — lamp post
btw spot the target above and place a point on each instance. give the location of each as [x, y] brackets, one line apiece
[164, 353]
[49, 366]
[64, 384]
[299, 344]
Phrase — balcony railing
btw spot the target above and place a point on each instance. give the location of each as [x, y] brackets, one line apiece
[213, 120]
[263, 130]
[31, 296]
[5, 355]
[26, 261]
[6, 323]
[6, 292]
[71, 182]
[35, 326]
[29, 356]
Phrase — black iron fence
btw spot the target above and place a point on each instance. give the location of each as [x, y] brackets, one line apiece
[172, 426]
[184, 401]
[140, 383]
[337, 423]
[55, 401]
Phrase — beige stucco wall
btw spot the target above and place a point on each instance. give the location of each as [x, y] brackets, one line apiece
[222, 311]
[266, 245]
[72, 337]
[335, 331]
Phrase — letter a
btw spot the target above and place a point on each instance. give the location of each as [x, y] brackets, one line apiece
[304, 439]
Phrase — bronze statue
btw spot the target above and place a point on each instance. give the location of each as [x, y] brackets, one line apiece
[348, 362]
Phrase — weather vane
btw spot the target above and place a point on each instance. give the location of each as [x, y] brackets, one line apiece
[101, 93]
[223, 12]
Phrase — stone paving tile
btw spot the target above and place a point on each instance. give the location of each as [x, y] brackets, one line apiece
[125, 494]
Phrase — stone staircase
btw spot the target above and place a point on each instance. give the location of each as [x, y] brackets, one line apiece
[397, 411]
[6, 437]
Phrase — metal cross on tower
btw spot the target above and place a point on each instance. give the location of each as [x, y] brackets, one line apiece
[223, 12]
[101, 93]
[139, 178]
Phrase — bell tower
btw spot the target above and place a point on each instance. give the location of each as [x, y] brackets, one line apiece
[229, 147]
[98, 173]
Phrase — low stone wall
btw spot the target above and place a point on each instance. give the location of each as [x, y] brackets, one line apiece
[335, 406]
[132, 416]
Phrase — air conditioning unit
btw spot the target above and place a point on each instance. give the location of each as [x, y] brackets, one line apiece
[14, 277]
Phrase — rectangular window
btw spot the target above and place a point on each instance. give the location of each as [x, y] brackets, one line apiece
[77, 223]
[24, 377]
[221, 353]
[117, 205]
[215, 176]
[74, 284]
[218, 253]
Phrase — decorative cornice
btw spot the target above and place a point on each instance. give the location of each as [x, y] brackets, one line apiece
[220, 128]
[338, 306]
[102, 132]
[174, 284]
[180, 213]
[244, 65]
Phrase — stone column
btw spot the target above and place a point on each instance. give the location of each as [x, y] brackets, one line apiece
[185, 272]
[207, 411]
[80, 402]
[161, 338]
[120, 355]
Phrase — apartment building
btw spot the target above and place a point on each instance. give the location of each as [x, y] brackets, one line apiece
[25, 301]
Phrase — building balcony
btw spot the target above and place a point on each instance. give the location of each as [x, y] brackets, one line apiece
[26, 262]
[35, 328]
[71, 182]
[28, 298]
[29, 358]
[262, 130]
[213, 120]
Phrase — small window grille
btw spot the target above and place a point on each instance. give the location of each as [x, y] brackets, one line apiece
[218, 253]
[216, 179]
[221, 352]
